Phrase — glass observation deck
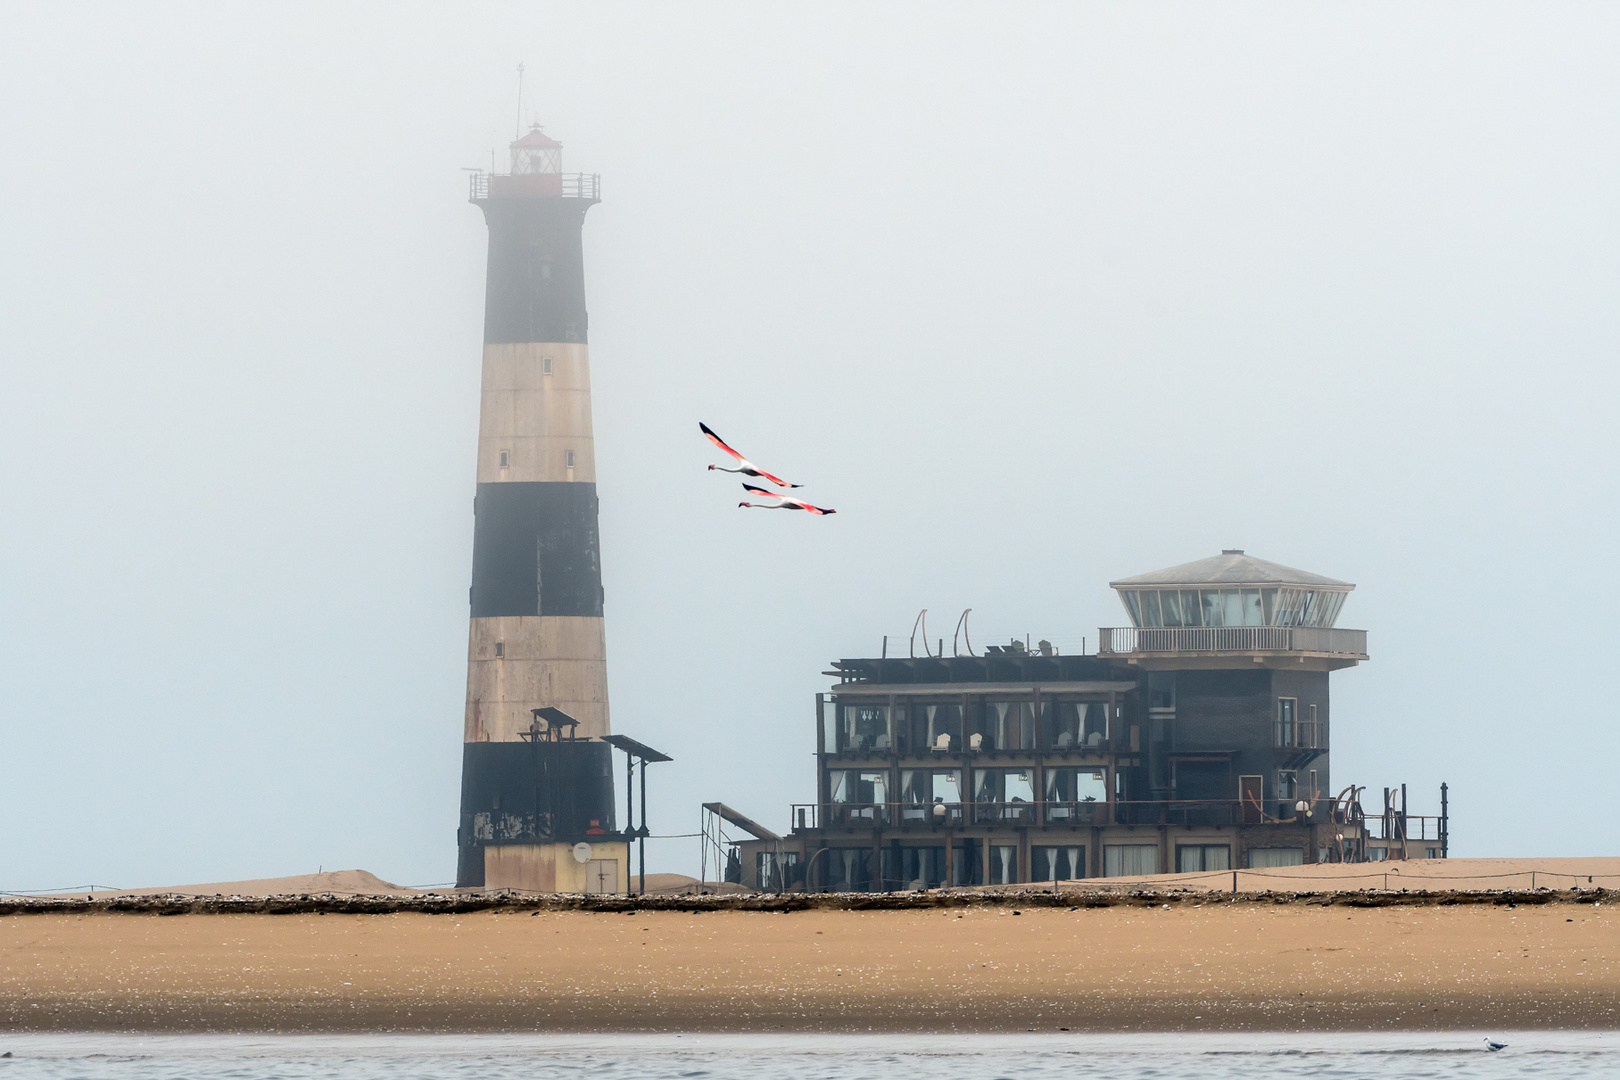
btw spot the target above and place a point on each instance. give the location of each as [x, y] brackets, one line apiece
[1232, 603]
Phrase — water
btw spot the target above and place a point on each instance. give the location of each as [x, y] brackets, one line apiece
[1552, 1055]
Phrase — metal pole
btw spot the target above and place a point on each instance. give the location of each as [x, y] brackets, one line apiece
[1445, 826]
[629, 812]
[642, 842]
[1403, 821]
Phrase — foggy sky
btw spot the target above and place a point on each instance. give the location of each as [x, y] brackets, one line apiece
[1035, 296]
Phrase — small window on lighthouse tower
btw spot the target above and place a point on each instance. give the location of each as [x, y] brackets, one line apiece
[503, 459]
[546, 365]
[500, 649]
[570, 459]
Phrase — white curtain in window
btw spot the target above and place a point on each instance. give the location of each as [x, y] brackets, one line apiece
[1003, 865]
[1130, 860]
[1260, 858]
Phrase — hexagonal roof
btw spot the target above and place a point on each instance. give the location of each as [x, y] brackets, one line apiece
[1231, 567]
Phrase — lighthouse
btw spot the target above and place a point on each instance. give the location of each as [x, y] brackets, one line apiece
[537, 792]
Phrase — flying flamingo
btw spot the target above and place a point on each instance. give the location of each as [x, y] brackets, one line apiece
[746, 467]
[780, 502]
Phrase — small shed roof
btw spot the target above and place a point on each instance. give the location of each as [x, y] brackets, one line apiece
[1230, 567]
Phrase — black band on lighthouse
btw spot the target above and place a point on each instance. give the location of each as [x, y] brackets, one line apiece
[535, 550]
[535, 289]
[531, 793]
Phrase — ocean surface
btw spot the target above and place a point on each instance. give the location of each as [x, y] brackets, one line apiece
[808, 1057]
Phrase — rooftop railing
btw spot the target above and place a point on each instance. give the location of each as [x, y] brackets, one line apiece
[1133, 640]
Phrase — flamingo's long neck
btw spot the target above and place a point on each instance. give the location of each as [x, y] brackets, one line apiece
[722, 468]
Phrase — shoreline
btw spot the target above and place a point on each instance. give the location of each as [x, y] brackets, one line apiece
[1010, 963]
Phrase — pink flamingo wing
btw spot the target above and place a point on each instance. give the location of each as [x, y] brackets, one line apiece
[718, 441]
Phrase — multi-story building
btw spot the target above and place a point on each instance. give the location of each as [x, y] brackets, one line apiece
[1195, 739]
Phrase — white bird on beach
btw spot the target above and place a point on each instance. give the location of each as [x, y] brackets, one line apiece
[1493, 1045]
[780, 502]
[744, 466]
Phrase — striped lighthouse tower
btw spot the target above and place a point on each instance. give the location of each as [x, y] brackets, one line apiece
[534, 786]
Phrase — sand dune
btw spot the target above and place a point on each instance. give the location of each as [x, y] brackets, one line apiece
[330, 883]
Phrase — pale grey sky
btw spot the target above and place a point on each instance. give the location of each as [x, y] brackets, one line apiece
[1036, 296]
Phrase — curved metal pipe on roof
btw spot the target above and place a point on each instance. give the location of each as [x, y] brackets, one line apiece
[961, 628]
[921, 621]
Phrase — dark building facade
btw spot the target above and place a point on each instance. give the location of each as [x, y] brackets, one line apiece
[1194, 740]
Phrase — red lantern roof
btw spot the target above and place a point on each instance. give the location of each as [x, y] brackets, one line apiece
[536, 139]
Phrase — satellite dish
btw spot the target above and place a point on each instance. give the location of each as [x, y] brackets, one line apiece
[582, 853]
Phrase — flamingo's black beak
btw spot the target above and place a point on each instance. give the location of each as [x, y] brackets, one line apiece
[711, 468]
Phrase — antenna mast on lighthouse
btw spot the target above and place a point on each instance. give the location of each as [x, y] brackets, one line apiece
[517, 128]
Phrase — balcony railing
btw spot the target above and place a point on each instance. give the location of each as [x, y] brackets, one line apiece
[1396, 828]
[1095, 743]
[564, 185]
[1131, 640]
[1300, 735]
[1059, 814]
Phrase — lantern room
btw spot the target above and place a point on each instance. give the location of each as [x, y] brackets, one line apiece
[1232, 589]
[536, 152]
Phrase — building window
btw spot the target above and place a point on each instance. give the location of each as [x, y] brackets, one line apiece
[929, 727]
[1004, 796]
[849, 869]
[1130, 860]
[1287, 709]
[546, 365]
[859, 797]
[860, 728]
[1196, 858]
[915, 867]
[1287, 784]
[1261, 858]
[1314, 793]
[1155, 608]
[570, 459]
[1431, 853]
[1003, 864]
[1057, 863]
[967, 862]
[1377, 854]
[776, 870]
[503, 459]
[1074, 725]
[500, 649]
[930, 797]
[1161, 690]
[1005, 725]
[1076, 796]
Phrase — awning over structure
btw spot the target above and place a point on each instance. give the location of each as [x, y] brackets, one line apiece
[636, 749]
[746, 824]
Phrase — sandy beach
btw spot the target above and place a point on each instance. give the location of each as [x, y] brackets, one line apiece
[1198, 962]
